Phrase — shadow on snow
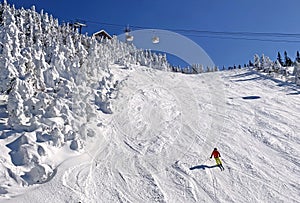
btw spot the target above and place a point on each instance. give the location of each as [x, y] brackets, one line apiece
[251, 97]
[292, 87]
[203, 167]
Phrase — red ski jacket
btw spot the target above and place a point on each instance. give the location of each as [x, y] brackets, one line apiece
[216, 154]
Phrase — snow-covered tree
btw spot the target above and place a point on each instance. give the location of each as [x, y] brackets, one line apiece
[298, 57]
[277, 66]
[296, 73]
[266, 64]
[279, 59]
[257, 62]
[287, 60]
[56, 78]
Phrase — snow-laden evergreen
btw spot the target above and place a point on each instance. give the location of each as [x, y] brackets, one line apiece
[276, 70]
[55, 79]
[296, 73]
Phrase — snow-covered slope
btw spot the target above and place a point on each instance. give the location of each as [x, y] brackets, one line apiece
[155, 146]
[87, 121]
[54, 83]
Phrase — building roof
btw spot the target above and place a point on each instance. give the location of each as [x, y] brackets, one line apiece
[102, 33]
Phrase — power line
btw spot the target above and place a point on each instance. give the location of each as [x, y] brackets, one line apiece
[264, 34]
[245, 38]
[250, 36]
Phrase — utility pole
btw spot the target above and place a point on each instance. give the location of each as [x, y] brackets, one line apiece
[79, 25]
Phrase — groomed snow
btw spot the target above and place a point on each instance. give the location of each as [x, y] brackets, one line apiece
[156, 144]
[76, 127]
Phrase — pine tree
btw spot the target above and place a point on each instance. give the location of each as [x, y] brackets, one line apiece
[287, 60]
[298, 57]
[257, 63]
[201, 69]
[250, 63]
[266, 63]
[279, 58]
[296, 73]
[277, 66]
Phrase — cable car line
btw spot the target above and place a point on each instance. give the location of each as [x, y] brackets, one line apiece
[250, 36]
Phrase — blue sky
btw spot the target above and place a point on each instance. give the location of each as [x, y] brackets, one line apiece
[255, 16]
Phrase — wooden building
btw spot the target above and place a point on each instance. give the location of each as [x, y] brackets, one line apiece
[102, 34]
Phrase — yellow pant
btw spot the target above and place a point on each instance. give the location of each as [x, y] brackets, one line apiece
[218, 161]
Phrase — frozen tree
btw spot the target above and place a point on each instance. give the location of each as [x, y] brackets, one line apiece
[296, 73]
[279, 59]
[298, 57]
[42, 61]
[197, 68]
[56, 79]
[266, 64]
[257, 62]
[194, 69]
[208, 69]
[277, 66]
[201, 69]
[287, 60]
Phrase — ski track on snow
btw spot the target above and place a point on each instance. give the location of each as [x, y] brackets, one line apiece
[165, 123]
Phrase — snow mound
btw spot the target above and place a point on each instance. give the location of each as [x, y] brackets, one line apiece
[38, 174]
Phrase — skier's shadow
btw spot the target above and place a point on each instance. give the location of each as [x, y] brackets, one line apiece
[203, 167]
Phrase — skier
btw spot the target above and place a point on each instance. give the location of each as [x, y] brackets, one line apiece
[217, 156]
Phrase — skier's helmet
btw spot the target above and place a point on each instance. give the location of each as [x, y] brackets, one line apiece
[215, 149]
